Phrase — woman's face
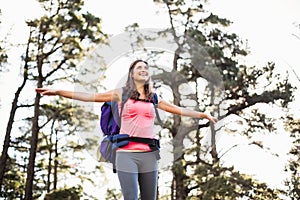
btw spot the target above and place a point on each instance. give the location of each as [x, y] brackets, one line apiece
[140, 72]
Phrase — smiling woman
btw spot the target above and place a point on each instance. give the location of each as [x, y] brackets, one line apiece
[141, 71]
[136, 162]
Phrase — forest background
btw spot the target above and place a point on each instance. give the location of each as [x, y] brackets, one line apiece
[44, 152]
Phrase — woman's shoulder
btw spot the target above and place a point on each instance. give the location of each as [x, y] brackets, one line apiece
[116, 94]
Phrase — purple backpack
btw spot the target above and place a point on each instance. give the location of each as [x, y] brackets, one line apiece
[110, 118]
[109, 123]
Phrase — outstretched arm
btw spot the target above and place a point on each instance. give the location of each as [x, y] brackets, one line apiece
[112, 95]
[163, 105]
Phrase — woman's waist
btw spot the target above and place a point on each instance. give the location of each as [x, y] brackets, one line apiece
[135, 147]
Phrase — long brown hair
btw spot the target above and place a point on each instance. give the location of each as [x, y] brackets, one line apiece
[130, 87]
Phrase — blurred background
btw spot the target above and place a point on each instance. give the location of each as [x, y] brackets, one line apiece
[237, 60]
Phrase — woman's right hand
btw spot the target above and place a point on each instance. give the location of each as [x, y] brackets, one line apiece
[45, 91]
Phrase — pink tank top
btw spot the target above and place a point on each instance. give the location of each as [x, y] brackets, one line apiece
[138, 121]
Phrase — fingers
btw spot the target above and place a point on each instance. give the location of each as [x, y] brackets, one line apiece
[213, 119]
[45, 91]
[40, 90]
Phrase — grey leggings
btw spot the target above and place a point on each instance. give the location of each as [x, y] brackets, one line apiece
[137, 170]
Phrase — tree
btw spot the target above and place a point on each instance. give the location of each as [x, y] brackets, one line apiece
[3, 62]
[56, 44]
[112, 194]
[59, 36]
[14, 181]
[241, 96]
[65, 193]
[293, 167]
[14, 107]
[64, 120]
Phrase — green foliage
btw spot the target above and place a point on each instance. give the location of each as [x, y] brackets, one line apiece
[65, 120]
[14, 181]
[73, 193]
[57, 43]
[218, 182]
[213, 55]
[64, 112]
[3, 57]
[61, 38]
[293, 167]
[113, 194]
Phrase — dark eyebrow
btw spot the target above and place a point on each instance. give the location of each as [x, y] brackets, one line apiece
[142, 66]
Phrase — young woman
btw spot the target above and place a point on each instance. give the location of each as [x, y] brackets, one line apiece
[136, 163]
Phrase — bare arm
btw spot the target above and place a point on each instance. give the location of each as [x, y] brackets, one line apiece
[112, 95]
[171, 108]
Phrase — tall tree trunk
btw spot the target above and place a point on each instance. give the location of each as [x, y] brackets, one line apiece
[33, 148]
[14, 107]
[179, 180]
[49, 170]
[55, 161]
[34, 136]
[214, 153]
[6, 144]
[178, 166]
[50, 159]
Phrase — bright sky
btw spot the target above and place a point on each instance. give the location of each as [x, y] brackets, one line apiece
[267, 25]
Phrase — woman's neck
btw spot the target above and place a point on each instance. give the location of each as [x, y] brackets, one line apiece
[141, 90]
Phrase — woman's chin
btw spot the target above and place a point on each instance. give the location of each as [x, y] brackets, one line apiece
[142, 79]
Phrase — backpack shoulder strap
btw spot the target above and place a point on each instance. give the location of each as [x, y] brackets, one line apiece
[155, 103]
[125, 97]
[155, 100]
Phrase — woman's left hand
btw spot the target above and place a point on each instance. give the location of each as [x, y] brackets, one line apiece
[212, 119]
